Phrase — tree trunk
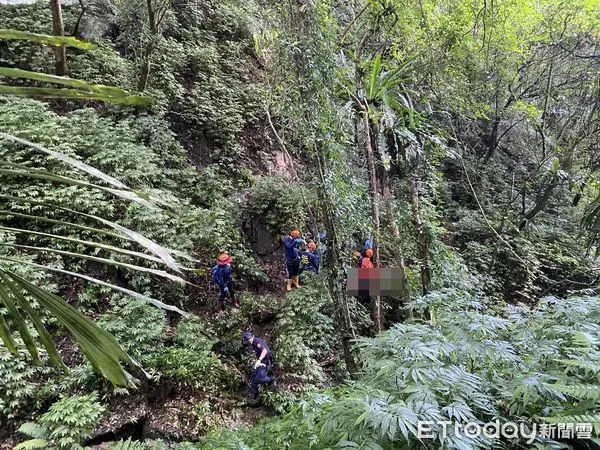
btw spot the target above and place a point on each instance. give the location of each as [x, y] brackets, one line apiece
[397, 247]
[336, 273]
[398, 252]
[372, 171]
[541, 202]
[422, 239]
[58, 29]
[145, 71]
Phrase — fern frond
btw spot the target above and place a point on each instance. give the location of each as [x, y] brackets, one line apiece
[33, 430]
[579, 391]
[572, 419]
[32, 444]
[126, 445]
[586, 366]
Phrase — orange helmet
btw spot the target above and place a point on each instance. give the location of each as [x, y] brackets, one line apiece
[312, 245]
[295, 234]
[224, 259]
[369, 253]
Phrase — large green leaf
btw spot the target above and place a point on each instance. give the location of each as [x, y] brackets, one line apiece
[374, 74]
[110, 262]
[129, 292]
[86, 243]
[20, 324]
[43, 334]
[6, 336]
[74, 94]
[64, 81]
[160, 251]
[100, 347]
[45, 39]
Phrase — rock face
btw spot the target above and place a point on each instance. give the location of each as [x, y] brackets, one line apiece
[262, 241]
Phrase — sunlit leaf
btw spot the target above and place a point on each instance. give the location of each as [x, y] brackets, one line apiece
[45, 39]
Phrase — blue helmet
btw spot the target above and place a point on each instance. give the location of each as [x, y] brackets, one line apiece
[246, 337]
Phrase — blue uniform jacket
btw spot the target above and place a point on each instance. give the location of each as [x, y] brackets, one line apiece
[259, 345]
[292, 252]
[310, 261]
[223, 275]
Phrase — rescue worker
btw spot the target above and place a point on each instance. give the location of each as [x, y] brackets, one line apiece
[292, 245]
[366, 262]
[310, 259]
[222, 276]
[262, 365]
[368, 245]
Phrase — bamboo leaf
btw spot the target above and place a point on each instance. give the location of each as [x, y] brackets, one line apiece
[45, 39]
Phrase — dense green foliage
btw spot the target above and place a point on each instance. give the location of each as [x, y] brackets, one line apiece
[462, 136]
[475, 362]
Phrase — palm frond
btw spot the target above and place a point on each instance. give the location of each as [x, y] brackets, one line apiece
[107, 247]
[129, 292]
[45, 39]
[100, 347]
[33, 316]
[110, 262]
[163, 253]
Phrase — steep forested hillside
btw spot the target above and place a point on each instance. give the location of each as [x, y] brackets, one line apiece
[142, 140]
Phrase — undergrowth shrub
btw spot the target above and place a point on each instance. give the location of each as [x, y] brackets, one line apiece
[18, 384]
[281, 204]
[137, 326]
[305, 332]
[190, 359]
[468, 360]
[65, 425]
[255, 310]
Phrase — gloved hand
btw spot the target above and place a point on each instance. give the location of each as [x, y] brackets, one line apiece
[226, 290]
[257, 364]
